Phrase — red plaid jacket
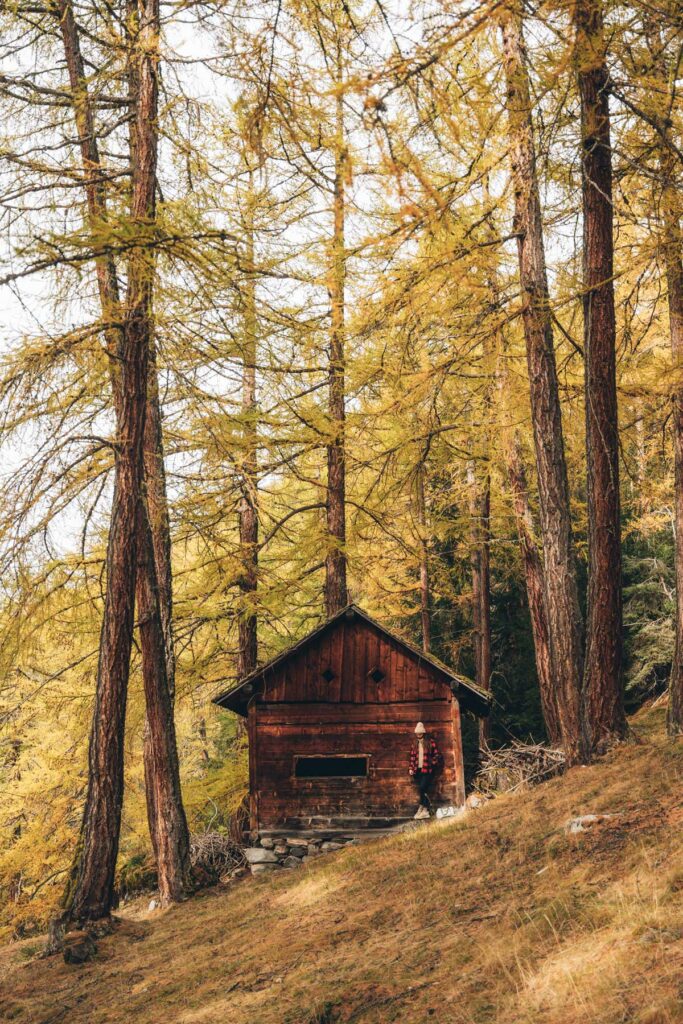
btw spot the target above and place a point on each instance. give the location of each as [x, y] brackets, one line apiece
[432, 757]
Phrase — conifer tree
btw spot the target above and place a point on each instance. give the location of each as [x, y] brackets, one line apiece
[658, 100]
[168, 828]
[336, 593]
[603, 703]
[562, 602]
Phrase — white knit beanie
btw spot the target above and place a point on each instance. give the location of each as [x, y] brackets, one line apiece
[420, 729]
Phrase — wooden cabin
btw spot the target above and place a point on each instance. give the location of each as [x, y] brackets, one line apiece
[331, 722]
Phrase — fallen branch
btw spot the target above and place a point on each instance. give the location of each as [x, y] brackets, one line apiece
[519, 764]
[213, 854]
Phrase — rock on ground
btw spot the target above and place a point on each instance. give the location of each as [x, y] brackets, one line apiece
[585, 822]
[292, 862]
[257, 855]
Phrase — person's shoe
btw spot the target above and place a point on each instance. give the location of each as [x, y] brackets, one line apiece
[418, 812]
[422, 813]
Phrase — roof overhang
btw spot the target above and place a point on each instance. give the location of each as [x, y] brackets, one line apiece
[469, 695]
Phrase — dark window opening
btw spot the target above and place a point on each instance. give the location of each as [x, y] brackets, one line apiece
[376, 675]
[324, 767]
[328, 675]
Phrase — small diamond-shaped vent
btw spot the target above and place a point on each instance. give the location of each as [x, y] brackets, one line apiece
[376, 675]
[328, 675]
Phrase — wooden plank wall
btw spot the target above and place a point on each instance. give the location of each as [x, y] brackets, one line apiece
[351, 650]
[384, 732]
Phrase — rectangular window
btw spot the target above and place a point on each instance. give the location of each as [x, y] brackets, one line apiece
[323, 766]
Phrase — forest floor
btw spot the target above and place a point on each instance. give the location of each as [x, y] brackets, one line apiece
[502, 917]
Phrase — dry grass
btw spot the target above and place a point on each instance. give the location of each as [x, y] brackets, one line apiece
[501, 918]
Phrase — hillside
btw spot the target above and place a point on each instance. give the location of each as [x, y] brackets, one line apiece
[500, 918]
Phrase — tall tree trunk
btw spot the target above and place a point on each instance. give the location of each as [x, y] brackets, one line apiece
[247, 657]
[672, 247]
[94, 185]
[112, 314]
[166, 815]
[562, 601]
[480, 508]
[90, 889]
[165, 812]
[603, 703]
[674, 276]
[155, 474]
[336, 594]
[535, 589]
[532, 562]
[425, 620]
[163, 796]
[160, 582]
[156, 500]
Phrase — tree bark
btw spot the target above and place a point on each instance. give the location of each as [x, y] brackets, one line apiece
[603, 702]
[94, 185]
[561, 593]
[480, 509]
[672, 248]
[247, 657]
[166, 815]
[119, 342]
[674, 276]
[112, 314]
[90, 889]
[156, 500]
[161, 584]
[535, 589]
[425, 620]
[336, 594]
[532, 562]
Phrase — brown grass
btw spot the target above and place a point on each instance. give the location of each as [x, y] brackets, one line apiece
[500, 918]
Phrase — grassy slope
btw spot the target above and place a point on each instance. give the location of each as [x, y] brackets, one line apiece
[499, 918]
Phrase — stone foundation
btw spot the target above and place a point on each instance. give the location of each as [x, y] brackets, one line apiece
[270, 851]
[274, 852]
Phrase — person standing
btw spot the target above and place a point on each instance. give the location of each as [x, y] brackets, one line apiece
[425, 758]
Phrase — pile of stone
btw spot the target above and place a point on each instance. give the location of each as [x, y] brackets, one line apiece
[271, 853]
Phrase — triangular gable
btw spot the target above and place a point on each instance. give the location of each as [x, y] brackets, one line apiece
[470, 696]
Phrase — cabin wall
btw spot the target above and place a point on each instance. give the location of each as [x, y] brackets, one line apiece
[384, 732]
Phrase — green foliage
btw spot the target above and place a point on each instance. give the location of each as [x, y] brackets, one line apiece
[214, 797]
[649, 607]
[136, 874]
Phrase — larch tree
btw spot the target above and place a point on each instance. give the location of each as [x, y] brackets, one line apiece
[516, 474]
[166, 816]
[603, 704]
[422, 540]
[673, 255]
[659, 97]
[336, 592]
[247, 625]
[532, 562]
[559, 563]
[479, 487]
[89, 893]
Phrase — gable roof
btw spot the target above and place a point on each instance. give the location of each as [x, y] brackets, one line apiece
[472, 697]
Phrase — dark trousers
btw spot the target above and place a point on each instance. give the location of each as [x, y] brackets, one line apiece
[423, 781]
